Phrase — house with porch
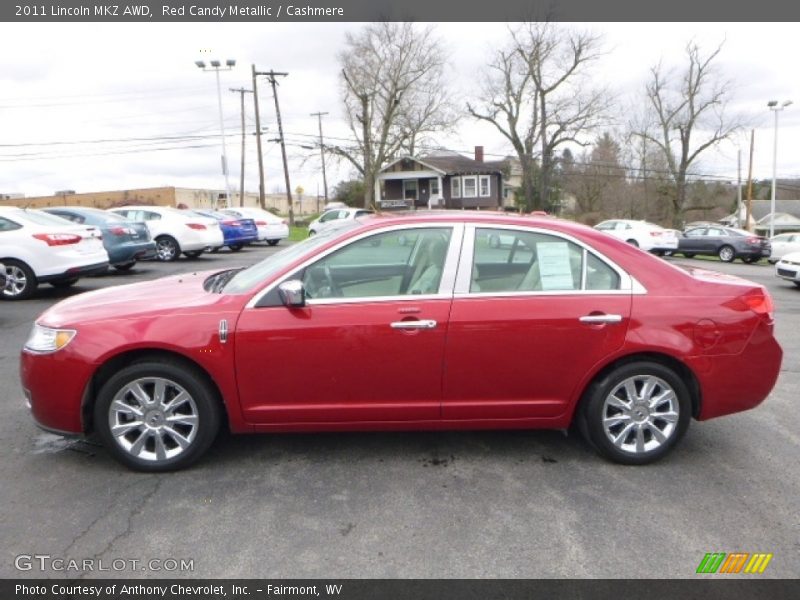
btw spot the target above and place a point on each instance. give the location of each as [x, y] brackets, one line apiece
[442, 180]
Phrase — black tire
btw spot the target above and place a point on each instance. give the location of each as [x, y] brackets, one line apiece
[204, 405]
[273, 242]
[633, 243]
[751, 260]
[193, 253]
[125, 266]
[64, 283]
[236, 247]
[727, 254]
[689, 254]
[167, 249]
[21, 283]
[311, 232]
[215, 250]
[797, 283]
[595, 412]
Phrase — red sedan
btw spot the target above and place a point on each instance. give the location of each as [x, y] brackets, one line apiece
[431, 321]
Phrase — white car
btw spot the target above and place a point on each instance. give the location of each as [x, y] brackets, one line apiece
[788, 268]
[39, 248]
[783, 244]
[271, 228]
[644, 235]
[334, 217]
[175, 231]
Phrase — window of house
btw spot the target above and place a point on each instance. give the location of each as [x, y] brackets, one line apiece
[470, 187]
[409, 189]
[434, 187]
[455, 187]
[485, 188]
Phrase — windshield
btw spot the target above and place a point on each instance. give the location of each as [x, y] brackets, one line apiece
[246, 280]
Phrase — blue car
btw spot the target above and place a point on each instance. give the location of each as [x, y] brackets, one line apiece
[236, 233]
[125, 241]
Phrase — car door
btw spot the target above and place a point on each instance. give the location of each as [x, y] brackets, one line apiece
[692, 240]
[715, 239]
[528, 323]
[368, 345]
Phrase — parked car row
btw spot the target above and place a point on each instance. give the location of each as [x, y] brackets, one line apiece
[58, 245]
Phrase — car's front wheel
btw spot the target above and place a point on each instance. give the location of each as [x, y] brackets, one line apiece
[167, 249]
[21, 282]
[637, 413]
[236, 247]
[273, 242]
[157, 416]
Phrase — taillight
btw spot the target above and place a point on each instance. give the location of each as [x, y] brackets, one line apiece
[197, 226]
[760, 302]
[58, 239]
[284, 222]
[753, 240]
[119, 230]
[260, 223]
[655, 233]
[232, 223]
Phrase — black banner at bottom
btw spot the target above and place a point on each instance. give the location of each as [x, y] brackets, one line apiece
[399, 589]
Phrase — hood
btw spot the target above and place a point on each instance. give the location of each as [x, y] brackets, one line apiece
[177, 293]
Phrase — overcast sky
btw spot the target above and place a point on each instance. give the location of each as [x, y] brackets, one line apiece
[147, 116]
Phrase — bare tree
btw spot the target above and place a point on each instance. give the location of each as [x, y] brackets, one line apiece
[538, 95]
[686, 117]
[394, 94]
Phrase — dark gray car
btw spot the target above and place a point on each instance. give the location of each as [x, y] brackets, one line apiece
[725, 242]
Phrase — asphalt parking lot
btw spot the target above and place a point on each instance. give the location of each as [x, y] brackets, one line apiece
[450, 505]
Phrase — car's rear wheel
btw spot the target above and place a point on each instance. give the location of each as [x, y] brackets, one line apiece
[193, 253]
[157, 416]
[637, 413]
[751, 259]
[236, 247]
[797, 283]
[167, 249]
[726, 254]
[125, 266]
[273, 242]
[689, 254]
[21, 283]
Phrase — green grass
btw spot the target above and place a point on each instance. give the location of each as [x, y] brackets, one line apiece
[297, 234]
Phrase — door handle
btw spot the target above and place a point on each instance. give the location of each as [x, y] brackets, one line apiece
[600, 319]
[424, 324]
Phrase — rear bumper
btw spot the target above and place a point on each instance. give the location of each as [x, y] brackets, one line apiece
[734, 383]
[74, 272]
[128, 252]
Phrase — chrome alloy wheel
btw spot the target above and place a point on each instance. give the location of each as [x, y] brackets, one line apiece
[640, 414]
[166, 249]
[16, 281]
[153, 419]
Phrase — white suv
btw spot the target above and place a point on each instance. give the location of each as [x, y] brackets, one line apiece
[333, 217]
[175, 231]
[644, 235]
[39, 248]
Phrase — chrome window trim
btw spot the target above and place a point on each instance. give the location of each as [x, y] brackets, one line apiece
[628, 284]
[446, 284]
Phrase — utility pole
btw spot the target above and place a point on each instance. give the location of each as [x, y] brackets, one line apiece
[242, 92]
[750, 182]
[738, 187]
[319, 116]
[271, 75]
[261, 199]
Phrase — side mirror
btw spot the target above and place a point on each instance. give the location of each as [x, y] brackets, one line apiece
[292, 293]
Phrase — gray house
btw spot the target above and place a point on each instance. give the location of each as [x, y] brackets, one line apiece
[444, 180]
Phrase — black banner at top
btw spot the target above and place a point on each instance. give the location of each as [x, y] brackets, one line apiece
[395, 10]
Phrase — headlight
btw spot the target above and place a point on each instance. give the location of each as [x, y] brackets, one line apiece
[43, 340]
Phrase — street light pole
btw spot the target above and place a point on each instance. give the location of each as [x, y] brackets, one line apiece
[776, 108]
[216, 66]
